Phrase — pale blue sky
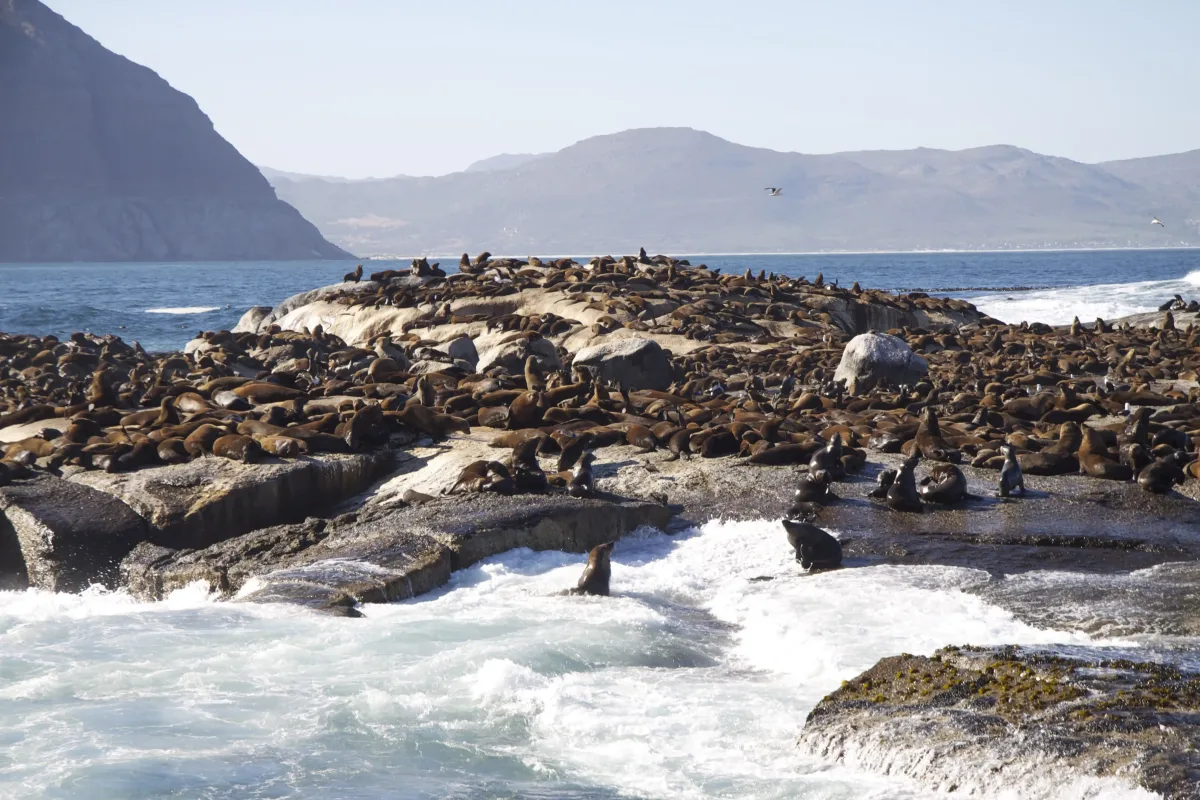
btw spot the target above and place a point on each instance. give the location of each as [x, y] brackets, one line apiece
[383, 87]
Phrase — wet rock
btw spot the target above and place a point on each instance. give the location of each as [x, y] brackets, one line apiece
[63, 536]
[871, 357]
[210, 499]
[978, 720]
[384, 553]
[635, 363]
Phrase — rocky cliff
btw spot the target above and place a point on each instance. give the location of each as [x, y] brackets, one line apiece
[101, 159]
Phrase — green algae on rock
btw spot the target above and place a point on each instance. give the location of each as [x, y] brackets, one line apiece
[982, 718]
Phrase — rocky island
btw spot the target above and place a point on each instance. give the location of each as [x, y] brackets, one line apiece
[359, 442]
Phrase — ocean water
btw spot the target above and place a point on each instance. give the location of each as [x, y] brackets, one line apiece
[164, 305]
[692, 681]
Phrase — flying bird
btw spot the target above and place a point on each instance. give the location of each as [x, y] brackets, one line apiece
[774, 190]
[1155, 221]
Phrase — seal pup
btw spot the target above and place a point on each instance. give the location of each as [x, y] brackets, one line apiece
[945, 484]
[815, 549]
[883, 482]
[902, 495]
[597, 573]
[1011, 477]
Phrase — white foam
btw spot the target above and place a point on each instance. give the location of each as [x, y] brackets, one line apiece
[691, 681]
[183, 310]
[1107, 301]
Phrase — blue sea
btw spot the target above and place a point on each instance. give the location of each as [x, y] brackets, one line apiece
[164, 305]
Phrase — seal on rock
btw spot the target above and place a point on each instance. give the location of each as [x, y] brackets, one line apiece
[815, 549]
[583, 482]
[945, 484]
[902, 496]
[1011, 477]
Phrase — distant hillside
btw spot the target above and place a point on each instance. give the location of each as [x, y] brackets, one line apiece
[101, 160]
[681, 190]
[503, 161]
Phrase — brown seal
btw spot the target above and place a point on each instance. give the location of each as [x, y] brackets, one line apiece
[945, 484]
[930, 442]
[1094, 460]
[237, 447]
[597, 572]
[282, 446]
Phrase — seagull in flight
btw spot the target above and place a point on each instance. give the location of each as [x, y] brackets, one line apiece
[774, 190]
[1155, 221]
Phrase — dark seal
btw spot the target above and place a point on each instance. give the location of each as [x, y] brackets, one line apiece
[815, 549]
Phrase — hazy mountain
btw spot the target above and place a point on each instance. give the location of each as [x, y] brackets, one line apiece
[503, 161]
[681, 190]
[278, 174]
[101, 160]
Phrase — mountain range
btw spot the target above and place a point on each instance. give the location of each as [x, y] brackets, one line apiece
[679, 190]
[102, 160]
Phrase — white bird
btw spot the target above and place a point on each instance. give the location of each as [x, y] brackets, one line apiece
[774, 190]
[1155, 221]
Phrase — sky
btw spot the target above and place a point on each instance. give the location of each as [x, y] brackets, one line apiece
[361, 88]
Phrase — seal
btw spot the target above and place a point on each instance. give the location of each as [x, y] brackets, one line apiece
[597, 573]
[945, 484]
[354, 277]
[1011, 477]
[883, 482]
[574, 449]
[815, 549]
[1094, 460]
[930, 442]
[902, 495]
[282, 446]
[1162, 475]
[829, 459]
[583, 482]
[680, 444]
[237, 447]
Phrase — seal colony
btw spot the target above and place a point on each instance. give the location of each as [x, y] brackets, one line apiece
[749, 373]
[534, 399]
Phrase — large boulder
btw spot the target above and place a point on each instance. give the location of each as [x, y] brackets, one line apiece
[635, 363]
[463, 349]
[511, 355]
[872, 357]
[63, 536]
[252, 319]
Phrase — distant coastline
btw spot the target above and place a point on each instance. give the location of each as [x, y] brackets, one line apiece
[952, 251]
